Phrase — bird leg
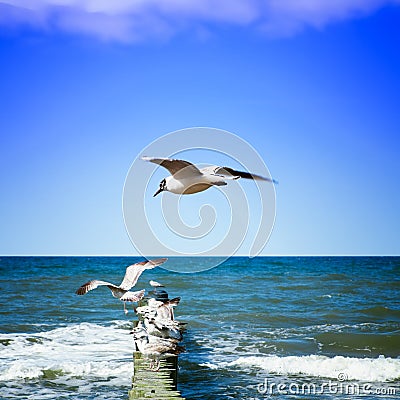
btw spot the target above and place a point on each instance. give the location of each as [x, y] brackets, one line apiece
[154, 364]
[125, 310]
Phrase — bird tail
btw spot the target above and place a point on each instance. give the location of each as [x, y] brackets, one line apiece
[133, 296]
[180, 349]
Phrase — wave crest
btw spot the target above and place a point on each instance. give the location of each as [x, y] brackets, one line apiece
[381, 369]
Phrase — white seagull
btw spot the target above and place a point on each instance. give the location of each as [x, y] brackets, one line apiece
[186, 178]
[166, 310]
[122, 291]
[156, 348]
[156, 285]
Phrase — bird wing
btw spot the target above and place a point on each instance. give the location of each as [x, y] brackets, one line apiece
[133, 296]
[232, 173]
[134, 271]
[88, 286]
[215, 170]
[178, 168]
[173, 302]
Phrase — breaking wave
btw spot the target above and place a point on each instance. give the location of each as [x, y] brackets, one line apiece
[381, 369]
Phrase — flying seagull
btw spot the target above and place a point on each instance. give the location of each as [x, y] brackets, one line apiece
[186, 178]
[122, 291]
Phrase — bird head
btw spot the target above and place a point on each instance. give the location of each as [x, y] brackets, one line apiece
[163, 186]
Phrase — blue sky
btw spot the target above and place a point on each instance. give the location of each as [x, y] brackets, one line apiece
[86, 85]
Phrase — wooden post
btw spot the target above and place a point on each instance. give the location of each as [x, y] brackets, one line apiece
[148, 383]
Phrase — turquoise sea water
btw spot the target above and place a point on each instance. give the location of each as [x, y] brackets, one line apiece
[253, 324]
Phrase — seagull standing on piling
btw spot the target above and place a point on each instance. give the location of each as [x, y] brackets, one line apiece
[166, 310]
[186, 178]
[122, 291]
[154, 348]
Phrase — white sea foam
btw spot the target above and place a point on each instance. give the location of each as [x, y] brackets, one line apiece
[77, 351]
[283, 333]
[379, 369]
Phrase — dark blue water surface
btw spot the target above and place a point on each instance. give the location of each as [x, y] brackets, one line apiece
[252, 323]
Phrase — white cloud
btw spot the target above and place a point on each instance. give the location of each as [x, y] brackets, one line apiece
[135, 20]
[290, 16]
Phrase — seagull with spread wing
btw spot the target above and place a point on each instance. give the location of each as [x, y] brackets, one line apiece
[122, 291]
[186, 178]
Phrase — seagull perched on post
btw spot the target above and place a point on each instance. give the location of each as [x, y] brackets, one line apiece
[186, 178]
[156, 348]
[122, 291]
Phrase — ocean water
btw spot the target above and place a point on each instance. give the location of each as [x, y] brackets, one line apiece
[290, 327]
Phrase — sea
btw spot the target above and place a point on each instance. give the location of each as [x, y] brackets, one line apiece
[265, 327]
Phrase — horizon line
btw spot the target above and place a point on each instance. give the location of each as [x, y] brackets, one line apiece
[194, 256]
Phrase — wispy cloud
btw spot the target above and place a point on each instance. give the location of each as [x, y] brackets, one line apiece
[136, 20]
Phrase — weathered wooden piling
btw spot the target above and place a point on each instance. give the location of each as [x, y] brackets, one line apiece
[148, 383]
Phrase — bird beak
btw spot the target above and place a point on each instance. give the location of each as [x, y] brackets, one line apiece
[158, 192]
